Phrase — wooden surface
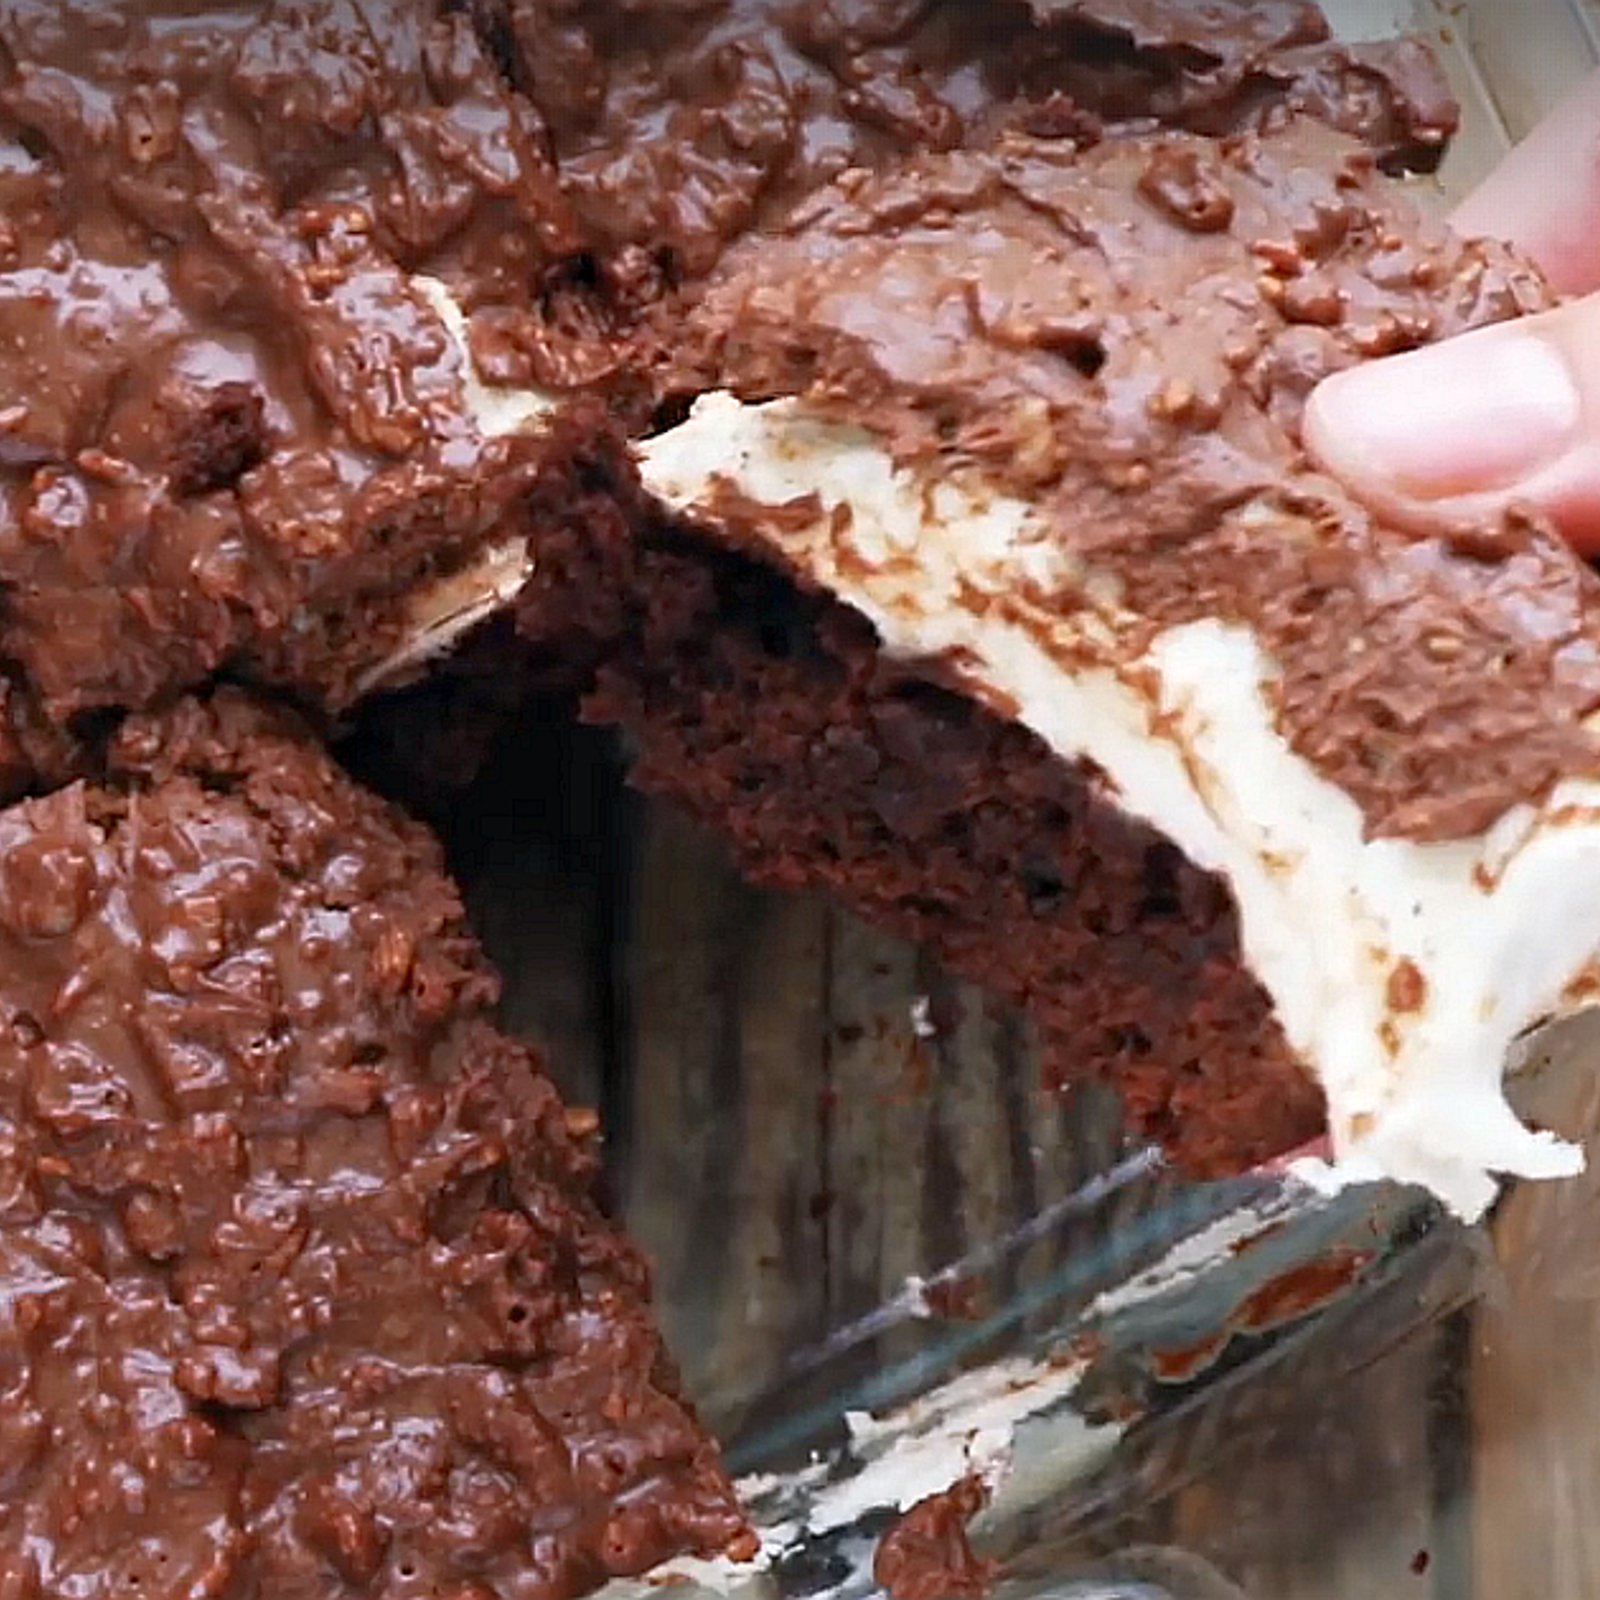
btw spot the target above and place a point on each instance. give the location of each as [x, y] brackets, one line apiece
[790, 1146]
[791, 1138]
[1535, 1360]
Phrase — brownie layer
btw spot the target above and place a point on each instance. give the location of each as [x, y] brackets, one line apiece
[301, 1288]
[769, 711]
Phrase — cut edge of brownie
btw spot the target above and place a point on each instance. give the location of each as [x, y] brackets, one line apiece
[766, 708]
[1393, 974]
[775, 693]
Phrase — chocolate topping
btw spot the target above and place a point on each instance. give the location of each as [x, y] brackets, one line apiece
[926, 1556]
[1125, 336]
[235, 430]
[234, 433]
[301, 1290]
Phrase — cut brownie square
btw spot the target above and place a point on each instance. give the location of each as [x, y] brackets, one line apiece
[302, 1290]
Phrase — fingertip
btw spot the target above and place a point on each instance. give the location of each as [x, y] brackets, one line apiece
[1330, 443]
[1472, 415]
[1455, 436]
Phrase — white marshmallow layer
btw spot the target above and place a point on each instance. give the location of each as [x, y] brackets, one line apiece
[1503, 930]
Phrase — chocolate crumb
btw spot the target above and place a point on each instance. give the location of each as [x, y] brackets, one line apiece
[926, 1555]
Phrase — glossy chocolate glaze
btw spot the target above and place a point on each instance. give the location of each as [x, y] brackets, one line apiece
[676, 127]
[302, 1292]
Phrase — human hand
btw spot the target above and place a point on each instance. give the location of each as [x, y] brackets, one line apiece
[1507, 415]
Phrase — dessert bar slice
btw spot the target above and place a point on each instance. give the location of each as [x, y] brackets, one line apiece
[302, 1291]
[986, 584]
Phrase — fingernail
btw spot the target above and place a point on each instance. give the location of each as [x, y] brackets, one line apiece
[1473, 415]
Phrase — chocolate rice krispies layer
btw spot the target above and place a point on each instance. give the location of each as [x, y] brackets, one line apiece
[303, 1288]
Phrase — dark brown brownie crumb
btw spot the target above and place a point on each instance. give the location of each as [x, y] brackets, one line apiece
[217, 436]
[769, 712]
